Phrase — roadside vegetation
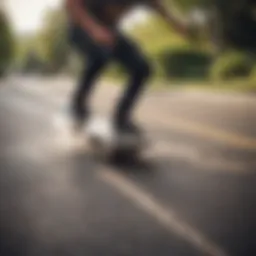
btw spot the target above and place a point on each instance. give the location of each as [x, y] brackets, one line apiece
[222, 55]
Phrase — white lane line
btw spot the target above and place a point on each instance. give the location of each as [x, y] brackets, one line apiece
[165, 216]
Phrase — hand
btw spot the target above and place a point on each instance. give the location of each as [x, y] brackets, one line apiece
[189, 31]
[193, 33]
[183, 29]
[103, 36]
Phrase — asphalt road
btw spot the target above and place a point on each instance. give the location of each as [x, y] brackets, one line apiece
[194, 193]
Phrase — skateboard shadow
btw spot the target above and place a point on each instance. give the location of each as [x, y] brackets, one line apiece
[136, 166]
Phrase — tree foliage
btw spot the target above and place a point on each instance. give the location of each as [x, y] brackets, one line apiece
[231, 25]
[6, 43]
[235, 24]
[52, 40]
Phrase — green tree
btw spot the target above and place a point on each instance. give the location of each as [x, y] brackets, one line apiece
[52, 40]
[6, 44]
[234, 24]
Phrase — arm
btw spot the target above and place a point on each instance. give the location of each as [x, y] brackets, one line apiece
[171, 19]
[80, 15]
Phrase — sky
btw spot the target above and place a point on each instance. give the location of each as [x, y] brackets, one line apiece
[27, 15]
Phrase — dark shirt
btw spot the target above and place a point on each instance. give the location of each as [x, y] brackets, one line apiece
[101, 8]
[103, 3]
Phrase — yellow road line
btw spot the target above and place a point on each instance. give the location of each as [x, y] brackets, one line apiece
[216, 134]
[166, 217]
[205, 131]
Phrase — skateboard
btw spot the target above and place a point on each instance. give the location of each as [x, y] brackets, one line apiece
[99, 138]
[109, 145]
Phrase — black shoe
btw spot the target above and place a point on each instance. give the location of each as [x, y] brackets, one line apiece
[79, 115]
[127, 127]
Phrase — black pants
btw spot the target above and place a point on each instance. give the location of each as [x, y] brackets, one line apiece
[97, 57]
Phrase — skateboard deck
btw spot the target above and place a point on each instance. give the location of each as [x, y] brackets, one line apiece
[107, 144]
[99, 138]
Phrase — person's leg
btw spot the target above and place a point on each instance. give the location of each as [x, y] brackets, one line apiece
[80, 101]
[132, 59]
[95, 59]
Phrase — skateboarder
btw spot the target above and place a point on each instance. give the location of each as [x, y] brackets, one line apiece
[93, 32]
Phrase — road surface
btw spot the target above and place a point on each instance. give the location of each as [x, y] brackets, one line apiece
[195, 196]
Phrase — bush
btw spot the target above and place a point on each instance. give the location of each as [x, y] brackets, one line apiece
[232, 65]
[184, 63]
[252, 80]
[253, 75]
